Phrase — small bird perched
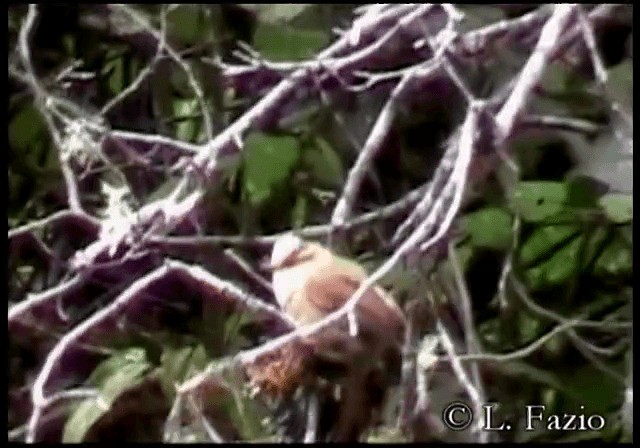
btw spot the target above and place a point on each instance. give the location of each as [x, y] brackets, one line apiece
[309, 283]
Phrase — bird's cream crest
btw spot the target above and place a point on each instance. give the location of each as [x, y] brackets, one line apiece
[284, 247]
[290, 276]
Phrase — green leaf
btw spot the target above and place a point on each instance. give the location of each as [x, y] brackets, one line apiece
[285, 43]
[529, 149]
[127, 377]
[618, 207]
[244, 411]
[554, 78]
[173, 365]
[616, 260]
[106, 368]
[278, 12]
[115, 70]
[81, 421]
[197, 361]
[69, 44]
[566, 91]
[528, 328]
[187, 24]
[177, 364]
[562, 265]
[25, 127]
[325, 164]
[112, 378]
[593, 389]
[490, 228]
[620, 83]
[602, 301]
[183, 110]
[387, 435]
[597, 239]
[582, 193]
[539, 200]
[544, 241]
[233, 340]
[268, 161]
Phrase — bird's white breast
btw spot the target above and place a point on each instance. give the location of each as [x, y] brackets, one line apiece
[287, 281]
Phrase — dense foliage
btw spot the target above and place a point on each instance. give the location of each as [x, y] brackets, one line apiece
[155, 151]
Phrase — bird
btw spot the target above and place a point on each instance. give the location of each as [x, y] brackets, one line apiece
[310, 282]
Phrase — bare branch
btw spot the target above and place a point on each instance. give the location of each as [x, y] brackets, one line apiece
[405, 47]
[523, 352]
[193, 83]
[119, 305]
[463, 378]
[313, 411]
[43, 103]
[472, 342]
[534, 68]
[62, 215]
[309, 232]
[34, 299]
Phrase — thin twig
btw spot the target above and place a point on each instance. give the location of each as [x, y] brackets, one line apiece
[42, 102]
[376, 137]
[309, 232]
[155, 139]
[142, 76]
[563, 123]
[213, 435]
[473, 393]
[457, 182]
[191, 79]
[34, 299]
[246, 268]
[51, 219]
[590, 40]
[523, 352]
[313, 411]
[472, 342]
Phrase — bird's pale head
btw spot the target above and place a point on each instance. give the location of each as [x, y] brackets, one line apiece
[285, 249]
[293, 260]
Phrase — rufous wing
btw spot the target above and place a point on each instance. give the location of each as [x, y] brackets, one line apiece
[372, 358]
[380, 322]
[330, 288]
